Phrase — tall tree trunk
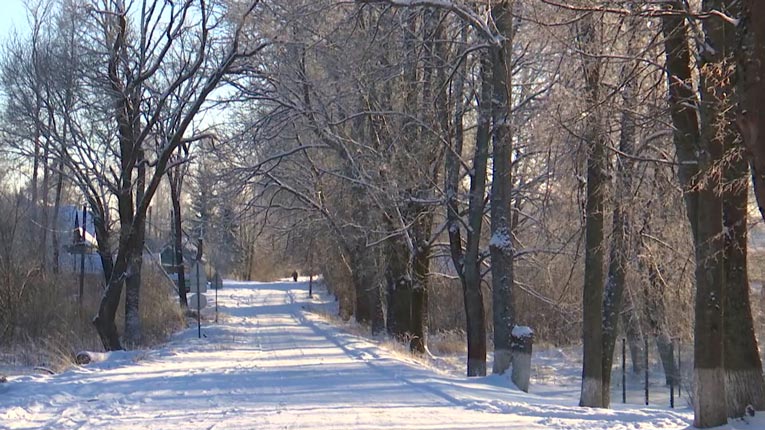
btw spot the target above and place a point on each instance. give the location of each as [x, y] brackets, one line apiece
[709, 334]
[103, 237]
[471, 269]
[750, 66]
[434, 95]
[104, 321]
[56, 212]
[398, 271]
[421, 270]
[743, 366]
[682, 104]
[618, 260]
[750, 69]
[130, 244]
[176, 180]
[378, 304]
[465, 260]
[399, 289]
[704, 209]
[709, 381]
[362, 267]
[633, 333]
[34, 183]
[135, 267]
[597, 181]
[45, 209]
[501, 244]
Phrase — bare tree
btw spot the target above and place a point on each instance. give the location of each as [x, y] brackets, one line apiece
[175, 177]
[145, 66]
[597, 166]
[501, 243]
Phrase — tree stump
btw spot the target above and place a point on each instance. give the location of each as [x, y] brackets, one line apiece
[82, 358]
[521, 341]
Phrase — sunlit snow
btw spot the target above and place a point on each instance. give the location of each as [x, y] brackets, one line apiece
[272, 364]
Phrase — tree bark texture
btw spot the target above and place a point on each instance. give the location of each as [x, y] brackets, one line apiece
[704, 210]
[56, 212]
[708, 369]
[175, 181]
[471, 269]
[364, 290]
[620, 243]
[750, 70]
[708, 374]
[133, 279]
[103, 236]
[597, 182]
[45, 206]
[743, 367]
[466, 257]
[421, 269]
[399, 289]
[501, 244]
[682, 105]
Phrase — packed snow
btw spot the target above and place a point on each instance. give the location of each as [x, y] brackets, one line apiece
[271, 363]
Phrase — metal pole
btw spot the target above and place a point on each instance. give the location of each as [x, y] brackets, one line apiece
[199, 300]
[75, 241]
[672, 378]
[310, 270]
[646, 370]
[217, 285]
[199, 296]
[679, 372]
[82, 256]
[624, 370]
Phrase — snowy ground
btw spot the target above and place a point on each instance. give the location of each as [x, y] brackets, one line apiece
[270, 364]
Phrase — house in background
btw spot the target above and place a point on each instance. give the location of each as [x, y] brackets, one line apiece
[77, 240]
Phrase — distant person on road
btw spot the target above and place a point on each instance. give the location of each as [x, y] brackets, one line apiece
[294, 276]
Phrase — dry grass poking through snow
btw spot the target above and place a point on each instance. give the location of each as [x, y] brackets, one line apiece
[42, 325]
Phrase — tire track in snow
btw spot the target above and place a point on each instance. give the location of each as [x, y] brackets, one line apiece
[370, 358]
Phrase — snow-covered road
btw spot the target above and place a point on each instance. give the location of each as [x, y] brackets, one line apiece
[270, 364]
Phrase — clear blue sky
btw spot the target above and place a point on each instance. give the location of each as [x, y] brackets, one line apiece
[12, 13]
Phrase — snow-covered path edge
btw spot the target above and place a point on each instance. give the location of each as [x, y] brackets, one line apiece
[271, 364]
